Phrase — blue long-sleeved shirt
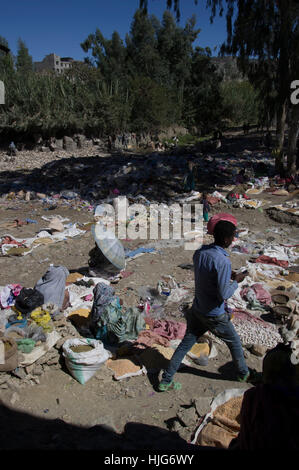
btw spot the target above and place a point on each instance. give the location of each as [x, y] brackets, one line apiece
[213, 285]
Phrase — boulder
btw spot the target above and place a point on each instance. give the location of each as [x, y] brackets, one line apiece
[81, 140]
[69, 144]
[58, 143]
[188, 416]
[258, 350]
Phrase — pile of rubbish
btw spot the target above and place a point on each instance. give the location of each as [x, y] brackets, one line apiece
[97, 179]
[65, 311]
[56, 231]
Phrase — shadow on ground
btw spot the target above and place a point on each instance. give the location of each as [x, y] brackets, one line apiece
[155, 176]
[22, 431]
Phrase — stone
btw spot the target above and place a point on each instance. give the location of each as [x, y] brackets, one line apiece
[246, 353]
[258, 350]
[188, 416]
[3, 378]
[59, 143]
[35, 380]
[38, 370]
[69, 144]
[15, 397]
[81, 140]
[130, 393]
[19, 372]
[203, 405]
[53, 361]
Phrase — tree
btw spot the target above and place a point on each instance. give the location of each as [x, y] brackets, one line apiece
[273, 42]
[203, 105]
[268, 31]
[108, 55]
[6, 61]
[240, 102]
[24, 62]
[141, 42]
[152, 107]
[169, 3]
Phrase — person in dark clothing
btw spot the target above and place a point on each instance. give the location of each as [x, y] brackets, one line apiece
[270, 411]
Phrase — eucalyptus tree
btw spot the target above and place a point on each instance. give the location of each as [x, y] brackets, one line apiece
[24, 62]
[268, 32]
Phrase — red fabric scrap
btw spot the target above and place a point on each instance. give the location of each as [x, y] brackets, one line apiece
[169, 329]
[212, 200]
[10, 241]
[268, 260]
[262, 294]
[147, 338]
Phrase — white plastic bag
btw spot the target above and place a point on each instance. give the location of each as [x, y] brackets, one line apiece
[84, 365]
[220, 399]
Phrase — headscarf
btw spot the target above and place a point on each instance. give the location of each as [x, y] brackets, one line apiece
[52, 285]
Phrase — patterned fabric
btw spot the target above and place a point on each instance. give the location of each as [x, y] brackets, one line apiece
[109, 321]
[103, 296]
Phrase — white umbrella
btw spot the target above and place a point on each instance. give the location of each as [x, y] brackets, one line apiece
[109, 245]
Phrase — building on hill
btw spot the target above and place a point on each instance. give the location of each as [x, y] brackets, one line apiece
[54, 63]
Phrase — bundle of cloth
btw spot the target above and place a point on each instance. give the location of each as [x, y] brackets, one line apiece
[52, 286]
[257, 297]
[109, 322]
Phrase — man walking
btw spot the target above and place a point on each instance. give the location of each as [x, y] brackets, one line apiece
[214, 283]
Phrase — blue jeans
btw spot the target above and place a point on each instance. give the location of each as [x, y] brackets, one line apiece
[221, 327]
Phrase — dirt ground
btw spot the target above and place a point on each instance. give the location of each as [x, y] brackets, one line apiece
[59, 412]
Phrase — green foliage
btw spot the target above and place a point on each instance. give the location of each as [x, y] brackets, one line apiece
[240, 102]
[152, 80]
[6, 61]
[24, 60]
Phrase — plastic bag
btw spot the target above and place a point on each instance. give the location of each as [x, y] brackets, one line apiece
[28, 300]
[42, 318]
[26, 345]
[83, 365]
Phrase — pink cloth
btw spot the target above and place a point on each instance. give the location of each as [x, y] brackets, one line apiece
[216, 218]
[11, 241]
[243, 315]
[169, 329]
[262, 294]
[268, 260]
[147, 338]
[88, 297]
[212, 200]
[6, 299]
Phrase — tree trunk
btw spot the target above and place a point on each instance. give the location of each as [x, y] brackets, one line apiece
[292, 140]
[280, 131]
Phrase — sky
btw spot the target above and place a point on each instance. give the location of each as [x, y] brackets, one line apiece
[59, 26]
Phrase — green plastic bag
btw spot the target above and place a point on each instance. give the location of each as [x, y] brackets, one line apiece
[26, 345]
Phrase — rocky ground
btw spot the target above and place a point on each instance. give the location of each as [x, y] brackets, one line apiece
[45, 408]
